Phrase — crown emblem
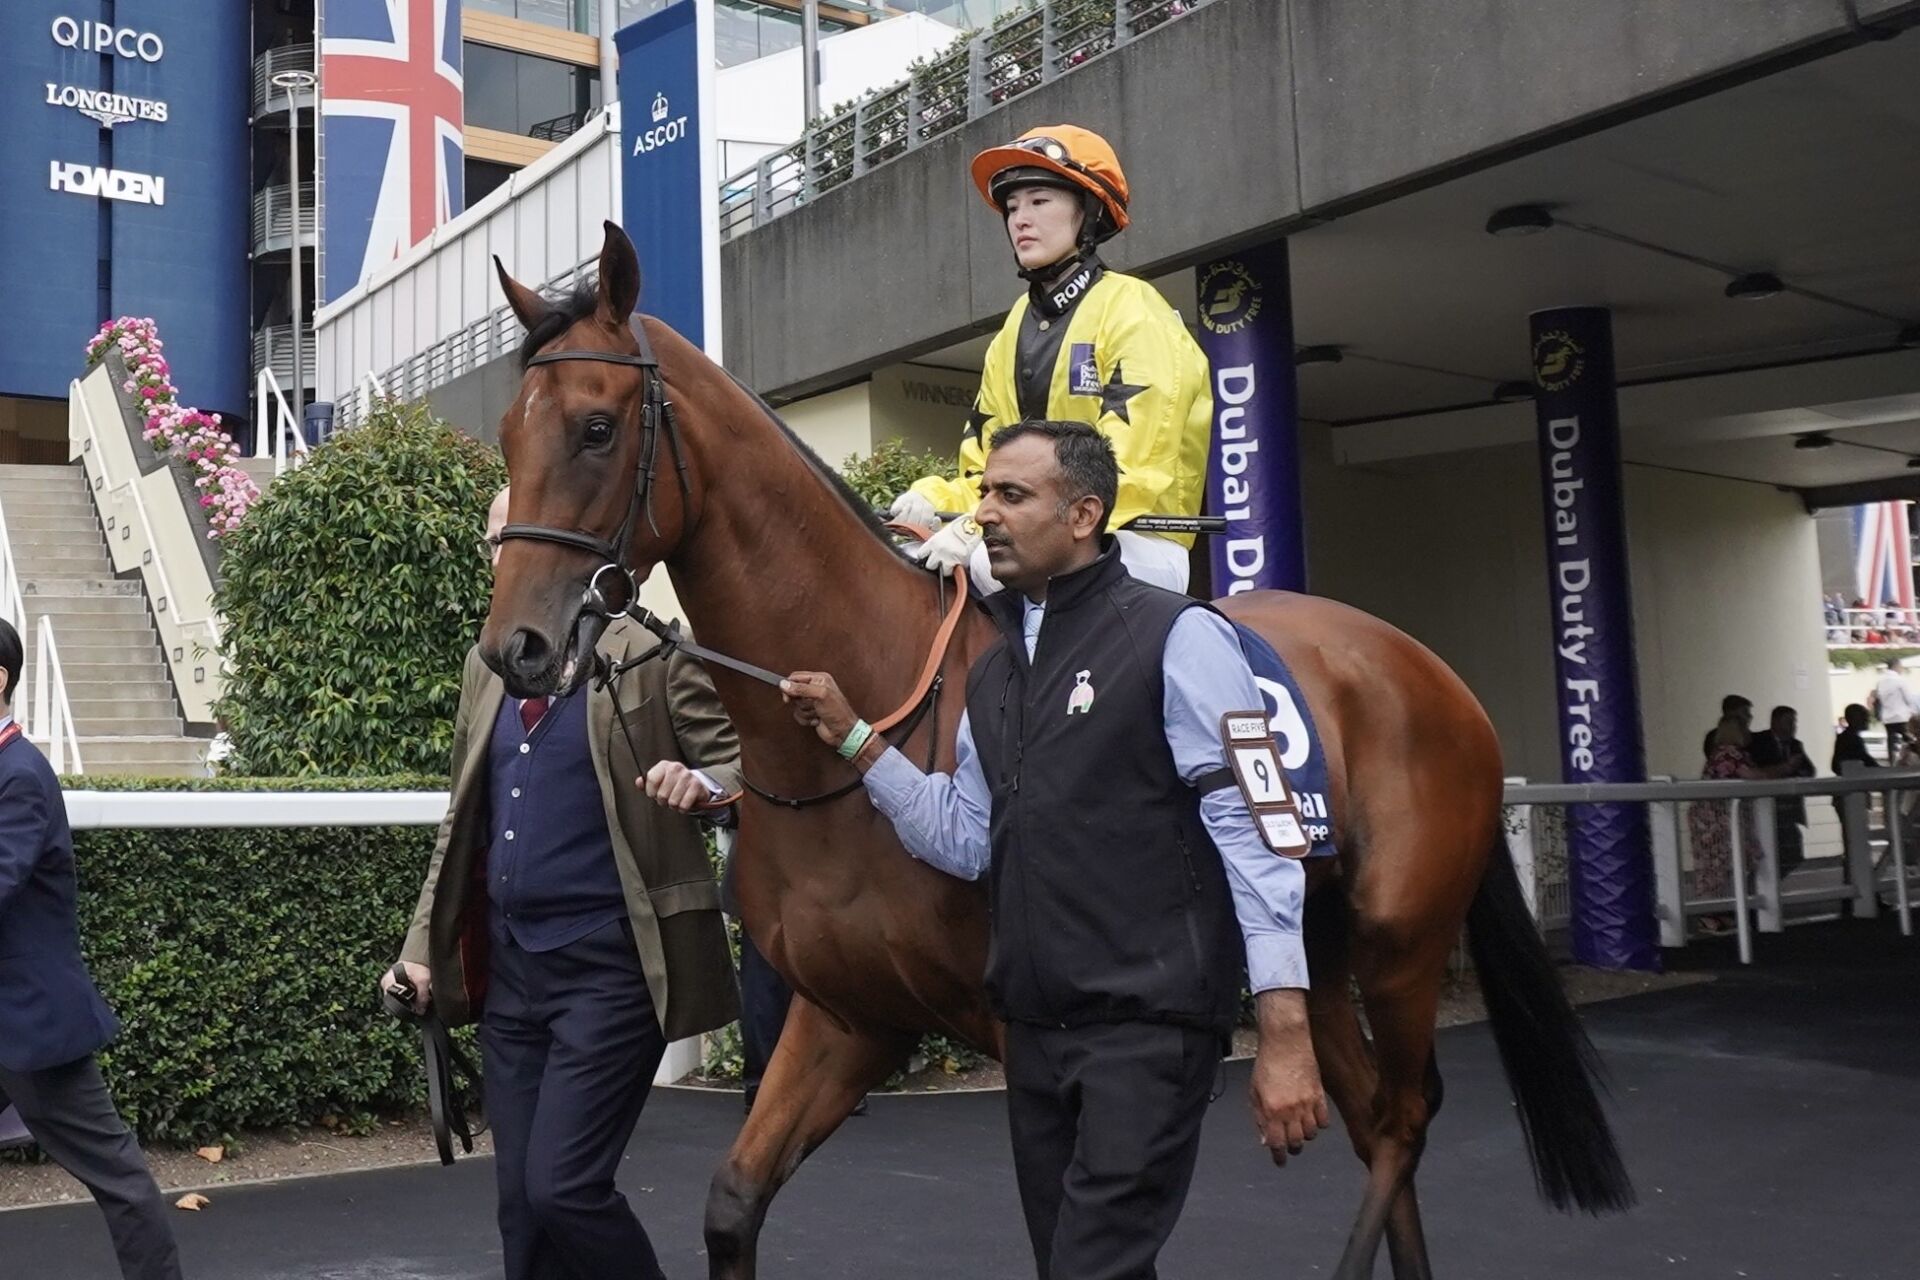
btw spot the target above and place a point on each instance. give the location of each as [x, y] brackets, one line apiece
[659, 107]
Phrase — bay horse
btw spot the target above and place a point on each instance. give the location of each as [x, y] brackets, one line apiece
[629, 449]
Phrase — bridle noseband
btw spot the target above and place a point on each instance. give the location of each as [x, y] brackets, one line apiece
[656, 417]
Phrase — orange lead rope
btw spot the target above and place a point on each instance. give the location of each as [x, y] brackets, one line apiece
[936, 657]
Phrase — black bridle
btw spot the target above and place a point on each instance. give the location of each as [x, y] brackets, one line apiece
[656, 419]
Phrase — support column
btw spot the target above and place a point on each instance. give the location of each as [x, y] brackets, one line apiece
[1609, 857]
[1253, 467]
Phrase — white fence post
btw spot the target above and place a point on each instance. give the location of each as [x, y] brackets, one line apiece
[1853, 826]
[1520, 844]
[1669, 879]
[1766, 877]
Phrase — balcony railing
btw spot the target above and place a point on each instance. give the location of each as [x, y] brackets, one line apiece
[494, 335]
[267, 96]
[273, 218]
[273, 349]
[972, 77]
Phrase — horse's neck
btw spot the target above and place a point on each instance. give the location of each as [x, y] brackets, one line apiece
[782, 573]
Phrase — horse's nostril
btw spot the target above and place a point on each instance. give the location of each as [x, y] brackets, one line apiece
[527, 651]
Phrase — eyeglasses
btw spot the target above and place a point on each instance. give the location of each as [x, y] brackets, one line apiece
[1056, 151]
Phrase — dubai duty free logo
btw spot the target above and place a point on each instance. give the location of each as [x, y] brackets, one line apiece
[1230, 297]
[1558, 361]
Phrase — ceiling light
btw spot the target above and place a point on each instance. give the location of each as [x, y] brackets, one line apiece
[1506, 392]
[1813, 440]
[1520, 220]
[1755, 287]
[1318, 355]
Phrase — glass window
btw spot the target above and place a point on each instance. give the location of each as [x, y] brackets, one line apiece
[519, 93]
[744, 30]
[482, 177]
[568, 15]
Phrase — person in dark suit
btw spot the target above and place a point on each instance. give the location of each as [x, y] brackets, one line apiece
[1850, 744]
[52, 1018]
[569, 908]
[1775, 747]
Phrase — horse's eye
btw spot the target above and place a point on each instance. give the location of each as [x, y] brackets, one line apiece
[599, 431]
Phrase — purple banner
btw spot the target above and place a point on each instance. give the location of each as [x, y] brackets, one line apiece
[1253, 468]
[1610, 864]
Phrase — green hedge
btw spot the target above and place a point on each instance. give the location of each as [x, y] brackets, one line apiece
[243, 964]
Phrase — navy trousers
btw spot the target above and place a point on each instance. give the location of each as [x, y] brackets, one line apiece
[570, 1045]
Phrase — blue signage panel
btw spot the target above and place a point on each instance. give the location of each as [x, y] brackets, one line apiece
[664, 192]
[1610, 860]
[1253, 471]
[124, 188]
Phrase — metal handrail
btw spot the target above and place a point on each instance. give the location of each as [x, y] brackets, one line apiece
[52, 712]
[168, 600]
[46, 694]
[466, 349]
[976, 74]
[273, 210]
[290, 57]
[272, 413]
[1764, 898]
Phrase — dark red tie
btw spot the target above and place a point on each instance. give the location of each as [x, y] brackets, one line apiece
[531, 710]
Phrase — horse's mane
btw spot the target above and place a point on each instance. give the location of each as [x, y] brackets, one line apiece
[571, 308]
[861, 507]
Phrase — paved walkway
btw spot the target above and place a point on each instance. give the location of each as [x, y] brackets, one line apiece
[1771, 1120]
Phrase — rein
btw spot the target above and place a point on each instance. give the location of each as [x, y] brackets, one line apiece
[657, 418]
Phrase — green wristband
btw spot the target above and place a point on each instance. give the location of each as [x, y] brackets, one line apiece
[856, 738]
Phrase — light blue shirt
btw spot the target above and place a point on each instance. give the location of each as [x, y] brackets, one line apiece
[943, 818]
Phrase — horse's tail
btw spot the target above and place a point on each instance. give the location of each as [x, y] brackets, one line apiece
[1551, 1066]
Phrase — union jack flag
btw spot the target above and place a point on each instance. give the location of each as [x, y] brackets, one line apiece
[1883, 555]
[392, 151]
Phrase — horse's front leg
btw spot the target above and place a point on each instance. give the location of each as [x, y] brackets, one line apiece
[817, 1076]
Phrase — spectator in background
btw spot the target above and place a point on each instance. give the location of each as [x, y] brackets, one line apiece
[1710, 827]
[1732, 706]
[52, 1019]
[1850, 744]
[1894, 703]
[1778, 746]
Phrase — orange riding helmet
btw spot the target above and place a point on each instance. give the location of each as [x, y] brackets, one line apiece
[1058, 155]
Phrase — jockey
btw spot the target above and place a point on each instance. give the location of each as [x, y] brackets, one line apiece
[1084, 345]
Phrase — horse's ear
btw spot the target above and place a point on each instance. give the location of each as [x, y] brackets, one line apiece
[619, 278]
[528, 305]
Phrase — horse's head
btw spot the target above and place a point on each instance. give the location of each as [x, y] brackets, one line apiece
[596, 485]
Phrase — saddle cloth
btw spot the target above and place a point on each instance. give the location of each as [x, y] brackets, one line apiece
[1292, 723]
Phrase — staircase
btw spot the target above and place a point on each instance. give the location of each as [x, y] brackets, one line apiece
[124, 710]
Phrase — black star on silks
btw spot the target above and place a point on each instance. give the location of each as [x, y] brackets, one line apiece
[1114, 396]
[976, 424]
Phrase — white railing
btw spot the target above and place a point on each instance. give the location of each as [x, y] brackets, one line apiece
[273, 416]
[1887, 627]
[52, 713]
[496, 334]
[40, 703]
[1535, 830]
[972, 77]
[167, 810]
[165, 599]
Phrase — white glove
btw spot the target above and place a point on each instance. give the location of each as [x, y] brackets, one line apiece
[951, 546]
[916, 509]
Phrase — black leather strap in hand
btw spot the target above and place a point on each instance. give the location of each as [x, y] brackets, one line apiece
[446, 1100]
